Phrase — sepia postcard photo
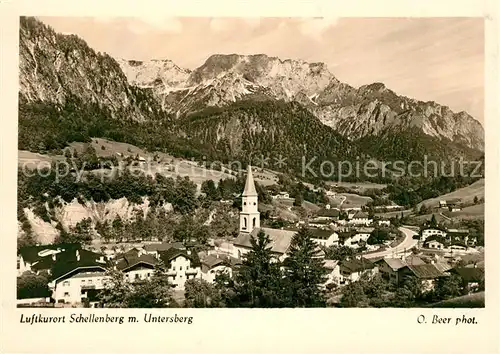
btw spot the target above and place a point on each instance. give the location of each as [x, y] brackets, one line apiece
[261, 162]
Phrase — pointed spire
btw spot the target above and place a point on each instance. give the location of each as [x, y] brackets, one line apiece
[249, 190]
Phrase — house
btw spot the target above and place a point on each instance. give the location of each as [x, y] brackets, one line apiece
[353, 238]
[426, 273]
[327, 214]
[352, 269]
[434, 244]
[345, 237]
[431, 231]
[281, 195]
[384, 222]
[449, 202]
[458, 246]
[77, 275]
[214, 264]
[38, 258]
[136, 266]
[325, 238]
[389, 267]
[360, 218]
[223, 247]
[182, 264]
[471, 277]
[330, 193]
[455, 209]
[363, 233]
[333, 269]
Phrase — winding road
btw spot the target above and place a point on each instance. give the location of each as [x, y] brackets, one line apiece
[407, 244]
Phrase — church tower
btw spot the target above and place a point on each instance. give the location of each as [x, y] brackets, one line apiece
[249, 215]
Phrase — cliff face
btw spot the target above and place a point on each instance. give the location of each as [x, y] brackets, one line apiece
[53, 67]
[69, 214]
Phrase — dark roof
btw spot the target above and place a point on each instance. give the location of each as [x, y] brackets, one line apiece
[442, 266]
[30, 253]
[212, 261]
[321, 234]
[360, 215]
[128, 261]
[355, 265]
[469, 274]
[395, 263]
[377, 259]
[280, 239]
[414, 260]
[328, 213]
[132, 252]
[67, 262]
[424, 271]
[435, 238]
[173, 252]
[346, 234]
[432, 228]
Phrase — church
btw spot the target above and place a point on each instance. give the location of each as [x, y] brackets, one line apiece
[250, 225]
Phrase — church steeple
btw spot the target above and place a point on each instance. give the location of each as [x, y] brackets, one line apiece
[249, 216]
[249, 190]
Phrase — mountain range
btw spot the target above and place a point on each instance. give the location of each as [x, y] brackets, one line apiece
[231, 105]
[355, 113]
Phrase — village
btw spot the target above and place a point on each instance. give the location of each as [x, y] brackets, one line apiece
[376, 246]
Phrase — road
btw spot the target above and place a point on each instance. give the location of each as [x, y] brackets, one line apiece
[407, 243]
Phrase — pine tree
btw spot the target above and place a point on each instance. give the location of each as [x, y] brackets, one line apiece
[305, 271]
[299, 199]
[116, 290]
[259, 281]
[433, 222]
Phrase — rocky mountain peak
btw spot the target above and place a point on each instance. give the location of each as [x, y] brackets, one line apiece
[154, 73]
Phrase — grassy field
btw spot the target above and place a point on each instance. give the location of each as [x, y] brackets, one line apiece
[359, 186]
[166, 164]
[32, 159]
[354, 200]
[470, 212]
[466, 194]
[439, 218]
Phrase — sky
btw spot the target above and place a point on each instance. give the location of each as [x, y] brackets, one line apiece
[430, 59]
